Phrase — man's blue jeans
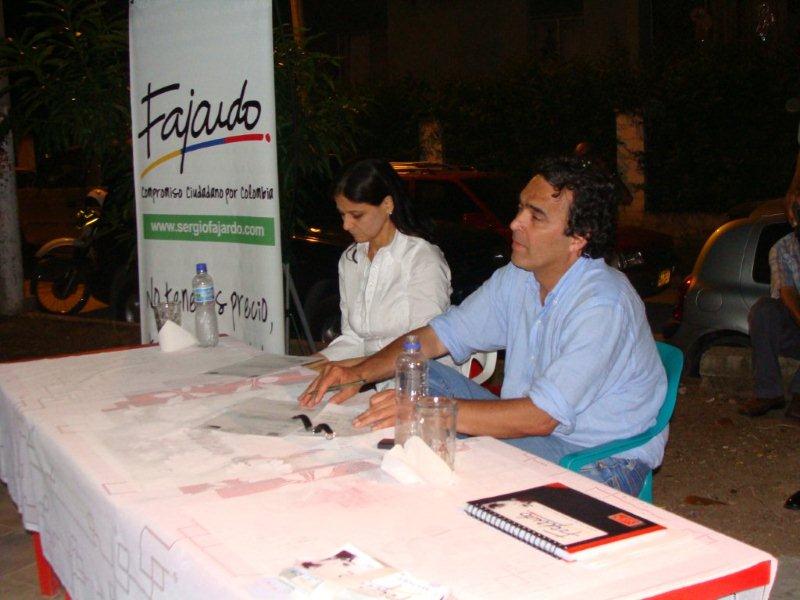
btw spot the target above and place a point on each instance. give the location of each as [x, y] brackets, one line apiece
[623, 474]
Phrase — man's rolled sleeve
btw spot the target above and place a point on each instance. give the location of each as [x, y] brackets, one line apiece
[546, 396]
[479, 323]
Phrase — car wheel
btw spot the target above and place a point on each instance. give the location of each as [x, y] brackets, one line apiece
[125, 296]
[325, 320]
[61, 286]
[321, 306]
[130, 307]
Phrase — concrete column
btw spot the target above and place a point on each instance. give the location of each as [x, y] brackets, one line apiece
[630, 146]
[431, 145]
[11, 282]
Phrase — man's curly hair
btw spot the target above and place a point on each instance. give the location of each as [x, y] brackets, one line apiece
[593, 213]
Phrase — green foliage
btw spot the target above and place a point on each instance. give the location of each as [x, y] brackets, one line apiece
[69, 84]
[389, 121]
[315, 125]
[69, 80]
[717, 131]
[504, 123]
[544, 109]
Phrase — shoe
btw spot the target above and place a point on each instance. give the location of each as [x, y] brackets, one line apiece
[793, 412]
[793, 503]
[755, 407]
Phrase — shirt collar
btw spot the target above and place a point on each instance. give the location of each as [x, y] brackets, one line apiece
[566, 283]
[394, 248]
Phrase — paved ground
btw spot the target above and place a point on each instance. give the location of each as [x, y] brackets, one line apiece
[726, 471]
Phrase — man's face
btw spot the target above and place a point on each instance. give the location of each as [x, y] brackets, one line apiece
[538, 240]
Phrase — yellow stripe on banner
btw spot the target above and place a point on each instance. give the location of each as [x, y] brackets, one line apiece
[159, 161]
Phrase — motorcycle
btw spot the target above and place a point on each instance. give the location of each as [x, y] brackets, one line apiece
[65, 268]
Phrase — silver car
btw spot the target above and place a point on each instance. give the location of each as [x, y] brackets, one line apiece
[730, 274]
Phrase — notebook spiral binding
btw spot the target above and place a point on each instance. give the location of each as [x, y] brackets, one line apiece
[520, 532]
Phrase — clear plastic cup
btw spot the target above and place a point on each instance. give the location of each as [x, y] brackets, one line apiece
[167, 310]
[435, 422]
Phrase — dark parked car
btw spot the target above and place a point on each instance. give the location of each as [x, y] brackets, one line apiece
[489, 201]
[730, 274]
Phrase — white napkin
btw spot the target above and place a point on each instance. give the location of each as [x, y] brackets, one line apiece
[415, 462]
[173, 337]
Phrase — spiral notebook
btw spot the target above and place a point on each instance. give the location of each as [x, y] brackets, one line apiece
[559, 519]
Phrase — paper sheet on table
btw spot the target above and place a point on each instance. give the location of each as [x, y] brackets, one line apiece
[354, 575]
[263, 364]
[260, 415]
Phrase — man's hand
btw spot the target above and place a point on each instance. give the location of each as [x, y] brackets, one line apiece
[332, 374]
[381, 412]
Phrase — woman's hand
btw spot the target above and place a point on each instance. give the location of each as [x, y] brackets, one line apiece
[332, 374]
[381, 413]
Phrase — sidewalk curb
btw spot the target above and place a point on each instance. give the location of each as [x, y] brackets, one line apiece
[730, 368]
[35, 314]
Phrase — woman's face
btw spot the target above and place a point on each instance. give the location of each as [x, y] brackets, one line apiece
[364, 221]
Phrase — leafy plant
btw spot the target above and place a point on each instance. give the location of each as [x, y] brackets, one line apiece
[316, 127]
[717, 131]
[69, 81]
[69, 84]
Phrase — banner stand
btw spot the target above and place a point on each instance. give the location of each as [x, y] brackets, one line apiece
[205, 162]
[298, 314]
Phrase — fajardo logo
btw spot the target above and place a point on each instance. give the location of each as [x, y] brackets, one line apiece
[196, 120]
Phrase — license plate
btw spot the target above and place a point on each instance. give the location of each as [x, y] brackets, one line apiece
[663, 277]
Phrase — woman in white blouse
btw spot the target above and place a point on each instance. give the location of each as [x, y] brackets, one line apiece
[391, 280]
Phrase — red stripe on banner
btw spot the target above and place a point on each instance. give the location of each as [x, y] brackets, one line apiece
[248, 137]
[752, 577]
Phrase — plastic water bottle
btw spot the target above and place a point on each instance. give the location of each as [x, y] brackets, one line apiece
[411, 381]
[205, 308]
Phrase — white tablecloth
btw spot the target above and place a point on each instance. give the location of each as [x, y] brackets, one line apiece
[105, 457]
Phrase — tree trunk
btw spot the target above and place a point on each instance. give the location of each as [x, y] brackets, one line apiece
[10, 244]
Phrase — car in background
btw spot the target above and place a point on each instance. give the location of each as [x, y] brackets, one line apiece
[730, 274]
[489, 200]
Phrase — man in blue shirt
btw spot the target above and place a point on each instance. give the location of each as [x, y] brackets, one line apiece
[581, 365]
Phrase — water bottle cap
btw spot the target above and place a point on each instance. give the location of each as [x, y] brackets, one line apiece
[201, 268]
[411, 343]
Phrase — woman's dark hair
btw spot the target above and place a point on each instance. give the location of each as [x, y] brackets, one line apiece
[593, 213]
[370, 181]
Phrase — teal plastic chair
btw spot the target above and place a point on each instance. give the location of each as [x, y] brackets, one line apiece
[672, 358]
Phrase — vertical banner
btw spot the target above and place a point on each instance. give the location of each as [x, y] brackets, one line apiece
[205, 161]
